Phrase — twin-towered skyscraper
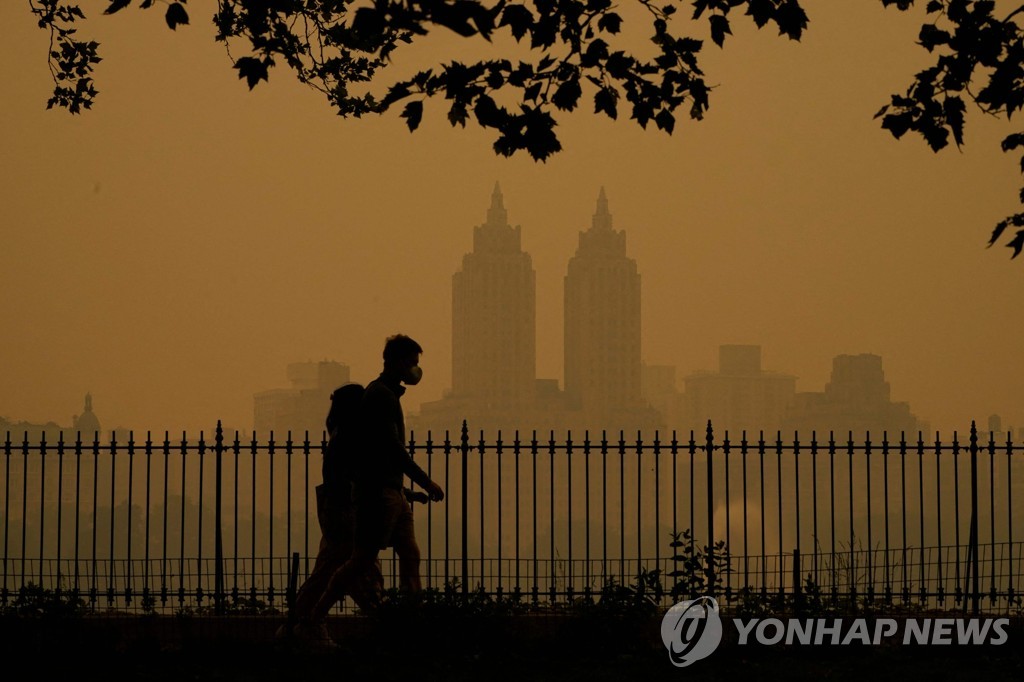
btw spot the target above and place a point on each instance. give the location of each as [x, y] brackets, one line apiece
[494, 377]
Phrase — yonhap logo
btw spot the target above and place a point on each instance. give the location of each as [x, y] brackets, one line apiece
[691, 630]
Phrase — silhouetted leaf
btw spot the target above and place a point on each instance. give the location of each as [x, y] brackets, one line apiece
[665, 121]
[518, 18]
[998, 231]
[719, 27]
[176, 15]
[252, 70]
[761, 11]
[931, 36]
[413, 113]
[954, 108]
[116, 6]
[605, 100]
[791, 18]
[487, 113]
[1017, 243]
[567, 94]
[458, 114]
[610, 22]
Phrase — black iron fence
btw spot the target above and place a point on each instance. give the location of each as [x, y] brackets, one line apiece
[177, 525]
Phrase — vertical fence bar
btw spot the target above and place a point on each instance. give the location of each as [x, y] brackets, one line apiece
[1009, 517]
[533, 500]
[42, 503]
[960, 593]
[992, 512]
[93, 594]
[885, 500]
[746, 551]
[832, 511]
[675, 488]
[164, 554]
[973, 550]
[218, 549]
[78, 510]
[920, 512]
[778, 483]
[728, 517]
[693, 526]
[7, 513]
[568, 507]
[764, 567]
[796, 511]
[586, 509]
[551, 514]
[639, 510]
[252, 526]
[131, 485]
[181, 554]
[288, 450]
[657, 501]
[146, 593]
[938, 516]
[464, 450]
[482, 551]
[482, 517]
[60, 505]
[622, 507]
[270, 535]
[604, 506]
[814, 506]
[870, 547]
[236, 450]
[500, 515]
[200, 593]
[853, 560]
[516, 449]
[113, 488]
[447, 507]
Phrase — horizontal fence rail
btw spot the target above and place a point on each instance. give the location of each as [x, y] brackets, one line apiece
[186, 526]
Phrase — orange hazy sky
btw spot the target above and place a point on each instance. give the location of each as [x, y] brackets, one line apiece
[172, 250]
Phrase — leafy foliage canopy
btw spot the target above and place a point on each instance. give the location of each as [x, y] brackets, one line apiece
[576, 54]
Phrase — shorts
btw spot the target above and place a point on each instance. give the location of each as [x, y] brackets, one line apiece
[336, 515]
[383, 519]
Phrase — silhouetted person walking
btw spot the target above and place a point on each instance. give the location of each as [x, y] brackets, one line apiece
[335, 514]
[383, 514]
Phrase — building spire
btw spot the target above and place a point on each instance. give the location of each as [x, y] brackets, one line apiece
[496, 214]
[602, 218]
[88, 402]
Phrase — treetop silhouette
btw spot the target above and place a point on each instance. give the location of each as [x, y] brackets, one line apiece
[577, 51]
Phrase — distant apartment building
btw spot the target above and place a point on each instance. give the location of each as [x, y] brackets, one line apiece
[303, 406]
[855, 400]
[740, 396]
[494, 382]
[602, 328]
[494, 355]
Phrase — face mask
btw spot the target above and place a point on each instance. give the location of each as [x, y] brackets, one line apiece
[413, 376]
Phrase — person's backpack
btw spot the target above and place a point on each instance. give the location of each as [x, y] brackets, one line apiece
[342, 429]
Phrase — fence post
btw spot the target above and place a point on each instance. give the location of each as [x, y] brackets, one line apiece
[464, 447]
[797, 572]
[710, 444]
[973, 547]
[293, 587]
[218, 584]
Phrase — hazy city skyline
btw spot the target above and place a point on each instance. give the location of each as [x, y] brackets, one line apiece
[171, 251]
